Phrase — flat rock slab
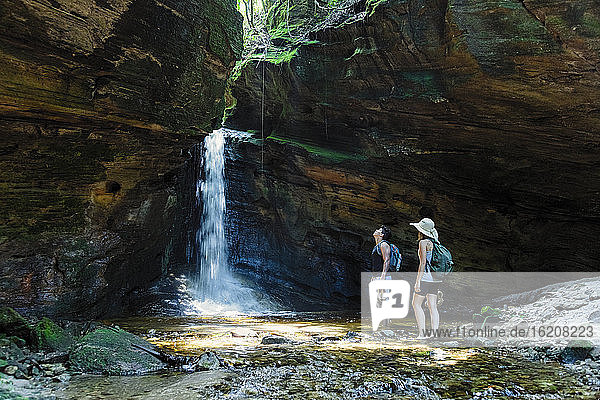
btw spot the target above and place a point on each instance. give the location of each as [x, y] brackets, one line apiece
[111, 352]
[171, 385]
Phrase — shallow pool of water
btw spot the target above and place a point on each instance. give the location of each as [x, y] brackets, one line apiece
[322, 361]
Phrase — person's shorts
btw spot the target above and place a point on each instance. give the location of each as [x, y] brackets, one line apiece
[429, 288]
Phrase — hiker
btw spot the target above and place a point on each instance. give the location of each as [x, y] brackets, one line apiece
[425, 286]
[380, 256]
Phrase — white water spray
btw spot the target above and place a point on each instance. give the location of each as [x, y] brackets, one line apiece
[212, 250]
[215, 290]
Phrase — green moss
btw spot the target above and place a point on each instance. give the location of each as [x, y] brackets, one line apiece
[111, 352]
[590, 25]
[321, 152]
[13, 324]
[419, 84]
[51, 336]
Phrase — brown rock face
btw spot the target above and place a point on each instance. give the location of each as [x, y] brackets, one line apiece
[481, 115]
[100, 102]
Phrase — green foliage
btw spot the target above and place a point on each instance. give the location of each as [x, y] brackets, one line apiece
[278, 28]
[486, 313]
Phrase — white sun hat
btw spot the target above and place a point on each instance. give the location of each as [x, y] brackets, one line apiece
[426, 227]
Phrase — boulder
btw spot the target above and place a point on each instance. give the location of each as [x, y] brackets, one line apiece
[209, 360]
[51, 336]
[110, 351]
[577, 350]
[13, 324]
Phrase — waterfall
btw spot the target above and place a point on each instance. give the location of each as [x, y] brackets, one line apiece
[214, 288]
[211, 252]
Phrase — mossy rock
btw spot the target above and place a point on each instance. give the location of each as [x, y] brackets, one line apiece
[51, 336]
[110, 351]
[13, 324]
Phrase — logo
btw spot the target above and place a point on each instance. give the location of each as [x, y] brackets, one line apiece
[389, 299]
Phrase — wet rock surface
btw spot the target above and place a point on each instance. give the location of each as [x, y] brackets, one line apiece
[28, 370]
[478, 115]
[111, 351]
[341, 369]
[100, 104]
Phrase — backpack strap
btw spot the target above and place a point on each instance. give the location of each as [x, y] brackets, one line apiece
[378, 247]
[428, 262]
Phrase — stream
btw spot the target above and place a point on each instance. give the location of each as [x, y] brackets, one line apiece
[326, 358]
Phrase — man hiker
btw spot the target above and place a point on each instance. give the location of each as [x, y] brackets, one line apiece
[381, 254]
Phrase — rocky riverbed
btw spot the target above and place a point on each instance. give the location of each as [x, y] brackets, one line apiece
[321, 355]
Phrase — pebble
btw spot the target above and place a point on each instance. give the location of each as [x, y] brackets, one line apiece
[10, 370]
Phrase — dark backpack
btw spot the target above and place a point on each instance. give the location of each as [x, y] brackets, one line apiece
[395, 256]
[441, 261]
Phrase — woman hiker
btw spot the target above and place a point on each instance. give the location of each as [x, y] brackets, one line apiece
[425, 285]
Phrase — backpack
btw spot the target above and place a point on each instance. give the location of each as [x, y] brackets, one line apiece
[395, 256]
[441, 261]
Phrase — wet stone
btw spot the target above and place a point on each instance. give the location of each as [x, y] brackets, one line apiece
[54, 358]
[576, 351]
[11, 370]
[53, 369]
[113, 351]
[209, 360]
[594, 317]
[63, 378]
[274, 339]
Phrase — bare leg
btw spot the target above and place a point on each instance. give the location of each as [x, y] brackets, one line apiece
[419, 313]
[433, 311]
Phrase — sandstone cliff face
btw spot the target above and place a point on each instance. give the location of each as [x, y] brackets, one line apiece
[100, 102]
[481, 115]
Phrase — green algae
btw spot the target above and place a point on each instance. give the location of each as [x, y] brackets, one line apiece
[419, 84]
[321, 152]
[51, 336]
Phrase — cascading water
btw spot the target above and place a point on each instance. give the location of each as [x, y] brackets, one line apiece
[214, 287]
[211, 256]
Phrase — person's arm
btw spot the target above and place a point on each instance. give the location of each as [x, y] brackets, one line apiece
[385, 253]
[422, 261]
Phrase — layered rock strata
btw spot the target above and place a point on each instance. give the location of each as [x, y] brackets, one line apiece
[100, 103]
[481, 115]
